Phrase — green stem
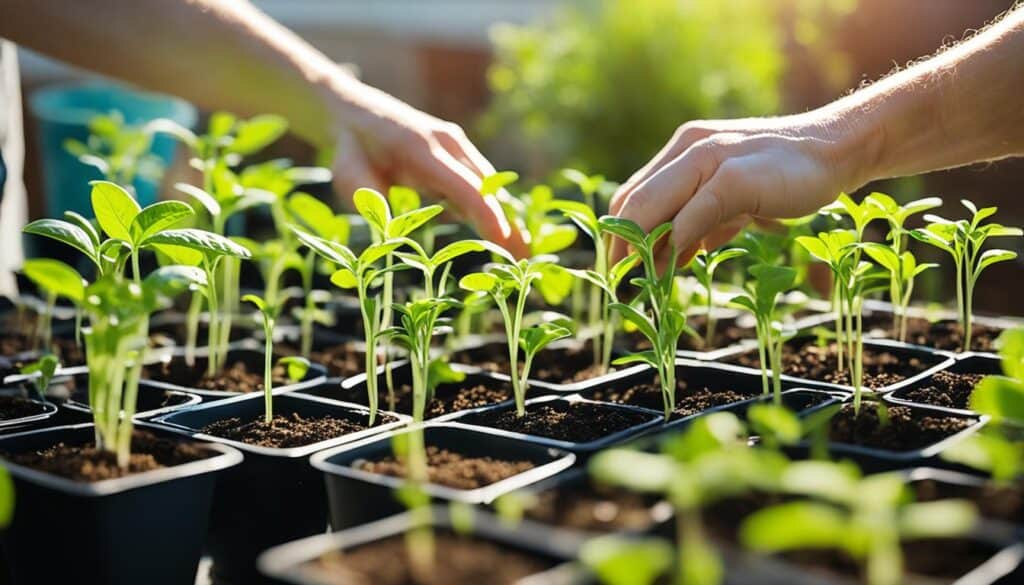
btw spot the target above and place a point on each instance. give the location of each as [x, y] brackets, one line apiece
[192, 327]
[837, 304]
[136, 272]
[213, 351]
[385, 322]
[668, 382]
[229, 270]
[520, 390]
[268, 381]
[709, 335]
[370, 326]
[761, 352]
[777, 370]
[131, 394]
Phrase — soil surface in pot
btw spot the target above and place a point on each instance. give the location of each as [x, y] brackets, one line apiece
[947, 335]
[946, 389]
[69, 352]
[289, 430]
[808, 360]
[690, 399]
[727, 333]
[452, 469]
[575, 422]
[557, 365]
[12, 407]
[996, 502]
[457, 561]
[448, 398]
[906, 430]
[594, 508]
[234, 377]
[87, 464]
[342, 360]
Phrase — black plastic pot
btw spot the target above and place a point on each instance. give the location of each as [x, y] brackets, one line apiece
[144, 528]
[954, 484]
[290, 563]
[43, 418]
[357, 497]
[353, 389]
[473, 418]
[884, 309]
[966, 363]
[274, 496]
[245, 352]
[322, 338]
[152, 401]
[937, 360]
[875, 459]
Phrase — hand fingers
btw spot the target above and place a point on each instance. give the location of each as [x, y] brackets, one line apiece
[454, 140]
[438, 170]
[727, 195]
[352, 170]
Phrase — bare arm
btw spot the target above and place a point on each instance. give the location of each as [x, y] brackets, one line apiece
[226, 54]
[959, 107]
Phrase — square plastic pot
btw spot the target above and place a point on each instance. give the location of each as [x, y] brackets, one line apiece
[143, 528]
[875, 459]
[966, 363]
[357, 496]
[965, 485]
[938, 360]
[322, 339]
[885, 308]
[472, 418]
[289, 563]
[34, 421]
[814, 317]
[152, 401]
[253, 359]
[274, 496]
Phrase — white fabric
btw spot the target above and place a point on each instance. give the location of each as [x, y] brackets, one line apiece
[13, 208]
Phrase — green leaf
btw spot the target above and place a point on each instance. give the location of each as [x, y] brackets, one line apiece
[990, 257]
[405, 224]
[296, 366]
[6, 498]
[158, 217]
[999, 397]
[257, 133]
[618, 560]
[374, 252]
[777, 421]
[646, 357]
[478, 282]
[554, 283]
[494, 183]
[998, 456]
[344, 279]
[456, 249]
[626, 229]
[552, 238]
[207, 242]
[403, 200]
[633, 470]
[115, 209]
[815, 247]
[794, 526]
[441, 372]
[209, 202]
[65, 232]
[1011, 352]
[169, 281]
[77, 219]
[642, 321]
[221, 123]
[256, 300]
[315, 214]
[56, 277]
[885, 256]
[938, 519]
[336, 253]
[373, 207]
[835, 482]
[579, 213]
[533, 339]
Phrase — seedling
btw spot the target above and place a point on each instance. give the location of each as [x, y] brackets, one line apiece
[963, 240]
[663, 324]
[761, 297]
[618, 560]
[118, 150]
[42, 371]
[901, 264]
[295, 366]
[56, 279]
[501, 282]
[704, 265]
[359, 273]
[869, 529]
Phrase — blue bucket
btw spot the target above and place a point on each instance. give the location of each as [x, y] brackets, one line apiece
[64, 112]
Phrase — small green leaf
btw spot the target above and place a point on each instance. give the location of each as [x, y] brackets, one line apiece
[115, 209]
[990, 257]
[256, 300]
[551, 238]
[618, 560]
[257, 133]
[478, 282]
[405, 224]
[494, 183]
[642, 321]
[938, 519]
[456, 249]
[626, 229]
[634, 470]
[296, 366]
[344, 279]
[158, 217]
[999, 397]
[373, 207]
[403, 200]
[794, 526]
[315, 214]
[776, 421]
[65, 232]
[196, 239]
[169, 281]
[209, 202]
[56, 277]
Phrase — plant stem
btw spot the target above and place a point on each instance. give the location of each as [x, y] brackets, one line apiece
[131, 394]
[668, 383]
[46, 323]
[709, 335]
[777, 371]
[370, 327]
[520, 389]
[385, 322]
[837, 304]
[229, 270]
[761, 351]
[136, 272]
[857, 373]
[268, 380]
[212, 357]
[192, 327]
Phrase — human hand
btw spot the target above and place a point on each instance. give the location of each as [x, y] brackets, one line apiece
[380, 141]
[714, 176]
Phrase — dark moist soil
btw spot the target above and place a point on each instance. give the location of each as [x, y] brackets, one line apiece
[236, 377]
[457, 561]
[808, 360]
[451, 469]
[87, 464]
[593, 508]
[342, 361]
[946, 389]
[12, 407]
[291, 430]
[448, 398]
[726, 333]
[947, 335]
[69, 352]
[995, 502]
[563, 365]
[689, 399]
[906, 430]
[576, 422]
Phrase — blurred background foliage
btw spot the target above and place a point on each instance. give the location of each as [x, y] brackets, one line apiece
[602, 85]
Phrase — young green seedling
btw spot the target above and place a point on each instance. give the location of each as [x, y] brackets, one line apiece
[56, 279]
[761, 297]
[359, 273]
[704, 265]
[295, 366]
[620, 560]
[663, 324]
[42, 371]
[118, 150]
[903, 269]
[963, 240]
[869, 529]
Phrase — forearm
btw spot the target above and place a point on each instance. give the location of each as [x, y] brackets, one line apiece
[220, 54]
[959, 107]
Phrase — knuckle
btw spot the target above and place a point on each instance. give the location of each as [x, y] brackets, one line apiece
[692, 131]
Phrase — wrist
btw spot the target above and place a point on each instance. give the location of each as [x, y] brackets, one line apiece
[850, 143]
